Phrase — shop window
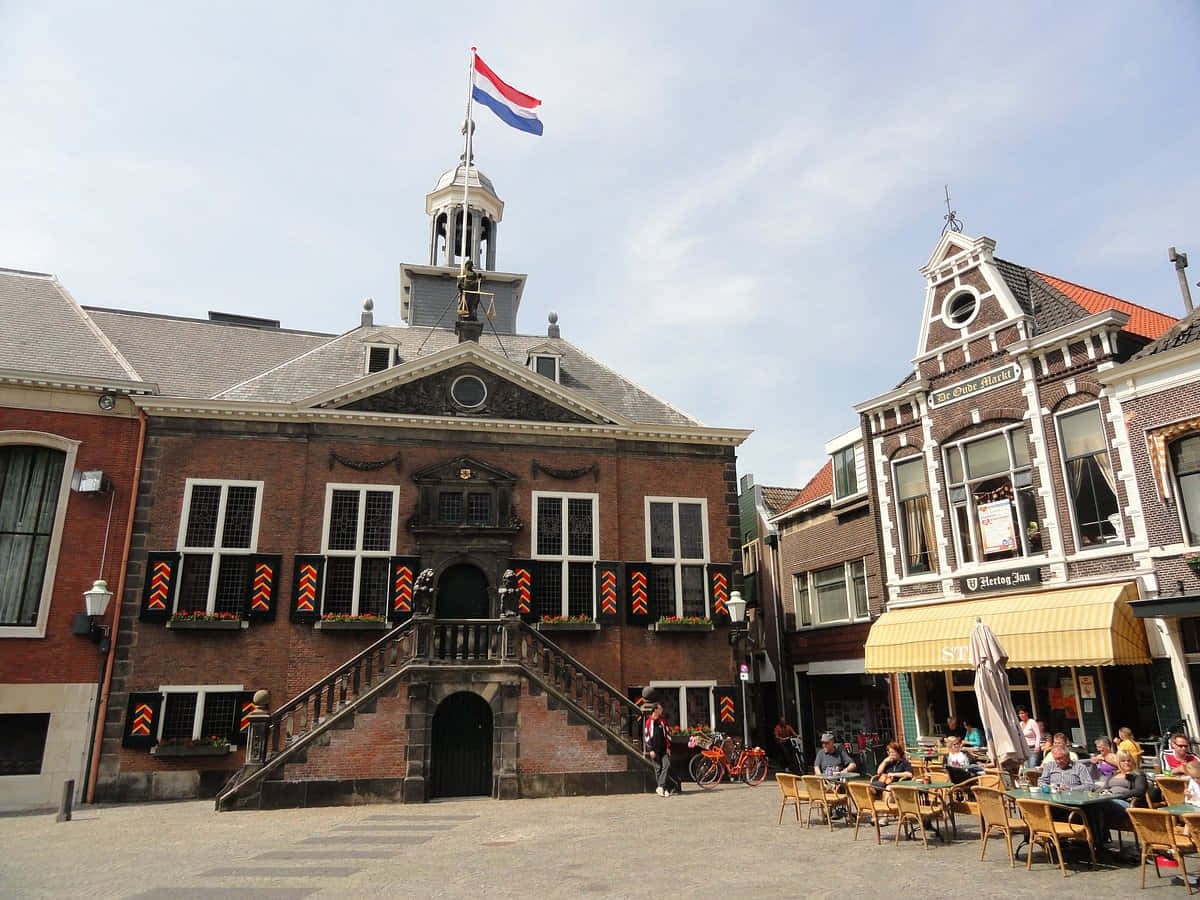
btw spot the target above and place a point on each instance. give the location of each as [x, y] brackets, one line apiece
[190, 713]
[1185, 462]
[24, 742]
[990, 487]
[916, 517]
[31, 480]
[566, 541]
[845, 474]
[831, 595]
[1091, 485]
[685, 704]
[677, 535]
[360, 536]
[217, 535]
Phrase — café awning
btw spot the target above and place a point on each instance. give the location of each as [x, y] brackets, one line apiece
[1089, 626]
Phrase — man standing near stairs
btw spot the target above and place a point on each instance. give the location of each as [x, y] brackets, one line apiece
[658, 746]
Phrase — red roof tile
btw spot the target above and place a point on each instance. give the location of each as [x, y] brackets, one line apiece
[821, 485]
[1148, 323]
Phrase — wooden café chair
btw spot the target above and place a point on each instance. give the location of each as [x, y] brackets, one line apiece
[1045, 831]
[1158, 834]
[1173, 789]
[822, 798]
[793, 795]
[867, 806]
[995, 814]
[911, 810]
[961, 799]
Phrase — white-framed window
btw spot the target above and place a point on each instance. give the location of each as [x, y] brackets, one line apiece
[688, 704]
[378, 357]
[960, 308]
[200, 711]
[832, 595]
[545, 364]
[750, 557]
[1185, 466]
[917, 542]
[35, 485]
[358, 537]
[565, 540]
[989, 482]
[677, 540]
[218, 531]
[845, 473]
[1088, 472]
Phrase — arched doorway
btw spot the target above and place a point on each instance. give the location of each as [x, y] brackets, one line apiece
[463, 593]
[460, 757]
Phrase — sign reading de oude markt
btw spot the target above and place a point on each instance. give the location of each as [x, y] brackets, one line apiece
[1012, 580]
[976, 385]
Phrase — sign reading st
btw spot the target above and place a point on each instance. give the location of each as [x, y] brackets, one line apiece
[992, 582]
[977, 385]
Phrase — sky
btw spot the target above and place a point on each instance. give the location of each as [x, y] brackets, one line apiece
[729, 204]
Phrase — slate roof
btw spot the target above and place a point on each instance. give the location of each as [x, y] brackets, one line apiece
[195, 357]
[818, 487]
[1185, 331]
[340, 361]
[46, 331]
[777, 498]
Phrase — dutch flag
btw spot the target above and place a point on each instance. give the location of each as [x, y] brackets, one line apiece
[517, 109]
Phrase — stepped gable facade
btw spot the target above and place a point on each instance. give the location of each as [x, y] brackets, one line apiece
[1006, 489]
[335, 527]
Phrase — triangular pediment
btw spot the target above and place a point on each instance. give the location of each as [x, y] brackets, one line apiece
[463, 468]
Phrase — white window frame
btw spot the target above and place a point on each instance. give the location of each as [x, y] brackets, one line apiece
[391, 348]
[358, 554]
[566, 557]
[216, 550]
[807, 578]
[200, 690]
[902, 530]
[1183, 521]
[533, 361]
[1066, 479]
[70, 448]
[682, 699]
[852, 449]
[676, 560]
[750, 557]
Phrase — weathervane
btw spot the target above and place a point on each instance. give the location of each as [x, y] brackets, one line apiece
[951, 217]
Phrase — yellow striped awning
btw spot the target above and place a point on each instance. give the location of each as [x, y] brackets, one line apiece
[1089, 626]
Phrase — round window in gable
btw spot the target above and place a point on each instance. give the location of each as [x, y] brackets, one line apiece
[960, 309]
[468, 391]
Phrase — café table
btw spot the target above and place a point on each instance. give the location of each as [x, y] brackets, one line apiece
[940, 788]
[1075, 798]
[1181, 809]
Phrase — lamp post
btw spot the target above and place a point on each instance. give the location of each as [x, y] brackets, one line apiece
[739, 636]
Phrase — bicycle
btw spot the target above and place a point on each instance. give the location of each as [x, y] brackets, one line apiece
[728, 757]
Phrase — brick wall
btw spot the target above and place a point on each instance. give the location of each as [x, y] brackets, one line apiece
[373, 748]
[549, 744]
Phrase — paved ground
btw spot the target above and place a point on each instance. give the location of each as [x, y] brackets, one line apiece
[720, 843]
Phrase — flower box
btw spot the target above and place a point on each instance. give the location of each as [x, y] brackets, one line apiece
[203, 624]
[351, 624]
[567, 623]
[183, 750]
[1193, 562]
[674, 623]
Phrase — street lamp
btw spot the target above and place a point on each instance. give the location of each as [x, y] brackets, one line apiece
[95, 604]
[739, 635]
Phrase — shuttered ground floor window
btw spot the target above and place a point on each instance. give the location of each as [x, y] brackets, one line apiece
[193, 714]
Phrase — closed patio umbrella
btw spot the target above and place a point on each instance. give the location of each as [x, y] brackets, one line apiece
[1006, 743]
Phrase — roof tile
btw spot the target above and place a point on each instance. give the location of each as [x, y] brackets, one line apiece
[1148, 323]
[818, 487]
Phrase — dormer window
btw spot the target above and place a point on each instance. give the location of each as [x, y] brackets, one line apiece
[545, 364]
[380, 357]
[845, 473]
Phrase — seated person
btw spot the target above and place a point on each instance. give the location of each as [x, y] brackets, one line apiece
[1127, 787]
[954, 729]
[974, 737]
[1130, 746]
[956, 758]
[831, 759]
[1179, 754]
[1062, 771]
[1105, 758]
[895, 767]
[1192, 793]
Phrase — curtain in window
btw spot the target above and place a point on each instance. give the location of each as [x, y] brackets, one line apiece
[1105, 466]
[30, 478]
[918, 531]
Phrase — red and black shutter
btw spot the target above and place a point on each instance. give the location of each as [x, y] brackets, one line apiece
[306, 587]
[726, 709]
[262, 587]
[404, 570]
[159, 587]
[638, 584]
[608, 593]
[241, 728]
[524, 570]
[720, 581]
[141, 720]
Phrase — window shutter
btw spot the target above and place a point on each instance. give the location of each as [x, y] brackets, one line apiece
[306, 587]
[159, 586]
[404, 573]
[720, 577]
[524, 569]
[245, 706]
[141, 720]
[728, 712]
[638, 581]
[260, 592]
[608, 593]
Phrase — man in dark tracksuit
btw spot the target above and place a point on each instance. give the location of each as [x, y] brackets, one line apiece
[658, 748]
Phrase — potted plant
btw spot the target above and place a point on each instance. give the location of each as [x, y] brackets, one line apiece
[683, 623]
[1193, 562]
[346, 622]
[206, 621]
[204, 746]
[567, 623]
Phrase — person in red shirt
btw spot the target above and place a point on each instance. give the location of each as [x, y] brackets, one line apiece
[1179, 754]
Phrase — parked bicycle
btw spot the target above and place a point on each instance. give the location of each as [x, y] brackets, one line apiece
[728, 757]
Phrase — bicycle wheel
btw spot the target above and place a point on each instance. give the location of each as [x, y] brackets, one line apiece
[697, 763]
[755, 770]
[710, 773]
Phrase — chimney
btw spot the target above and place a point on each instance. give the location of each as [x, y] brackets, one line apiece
[552, 329]
[1180, 260]
[368, 317]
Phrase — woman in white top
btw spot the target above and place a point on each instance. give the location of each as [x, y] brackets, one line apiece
[1033, 735]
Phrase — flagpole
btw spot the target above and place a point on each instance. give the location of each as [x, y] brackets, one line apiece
[462, 256]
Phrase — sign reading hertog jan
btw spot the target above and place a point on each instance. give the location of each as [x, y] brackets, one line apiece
[1012, 580]
[976, 385]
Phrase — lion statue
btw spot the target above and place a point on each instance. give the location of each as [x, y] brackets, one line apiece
[423, 593]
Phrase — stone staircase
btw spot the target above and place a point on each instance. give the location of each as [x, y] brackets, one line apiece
[362, 733]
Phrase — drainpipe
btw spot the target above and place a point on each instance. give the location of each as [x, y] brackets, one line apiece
[102, 709]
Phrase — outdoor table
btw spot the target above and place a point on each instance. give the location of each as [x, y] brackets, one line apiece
[842, 776]
[1181, 809]
[1076, 799]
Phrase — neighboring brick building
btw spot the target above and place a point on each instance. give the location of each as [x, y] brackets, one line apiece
[69, 440]
[1158, 391]
[285, 512]
[1007, 490]
[831, 591]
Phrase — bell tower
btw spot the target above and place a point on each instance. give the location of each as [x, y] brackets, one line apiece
[444, 205]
